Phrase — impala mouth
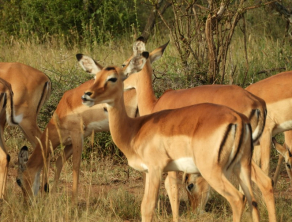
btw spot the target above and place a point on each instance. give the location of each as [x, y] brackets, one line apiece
[86, 100]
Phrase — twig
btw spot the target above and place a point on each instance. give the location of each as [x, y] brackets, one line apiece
[271, 70]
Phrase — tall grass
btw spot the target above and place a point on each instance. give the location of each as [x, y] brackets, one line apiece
[109, 189]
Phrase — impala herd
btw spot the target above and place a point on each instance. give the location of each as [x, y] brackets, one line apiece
[208, 132]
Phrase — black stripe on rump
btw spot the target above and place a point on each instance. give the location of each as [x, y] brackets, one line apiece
[238, 147]
[223, 141]
[43, 93]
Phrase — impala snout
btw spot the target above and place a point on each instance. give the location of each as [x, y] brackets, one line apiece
[190, 187]
[18, 181]
[86, 99]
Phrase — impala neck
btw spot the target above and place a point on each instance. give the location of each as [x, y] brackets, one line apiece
[35, 161]
[145, 93]
[121, 125]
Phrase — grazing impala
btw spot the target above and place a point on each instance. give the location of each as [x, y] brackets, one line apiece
[71, 122]
[208, 139]
[7, 113]
[285, 154]
[249, 105]
[277, 93]
[31, 89]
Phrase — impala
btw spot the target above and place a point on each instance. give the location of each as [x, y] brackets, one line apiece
[209, 139]
[276, 91]
[249, 105]
[31, 89]
[71, 122]
[6, 113]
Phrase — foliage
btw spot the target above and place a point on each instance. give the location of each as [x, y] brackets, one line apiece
[73, 21]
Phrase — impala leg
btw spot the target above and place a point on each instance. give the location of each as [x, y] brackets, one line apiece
[245, 184]
[266, 144]
[30, 129]
[277, 172]
[77, 143]
[265, 185]
[222, 185]
[4, 159]
[288, 144]
[172, 190]
[257, 155]
[152, 183]
[66, 154]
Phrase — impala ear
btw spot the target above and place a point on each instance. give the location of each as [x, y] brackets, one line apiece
[139, 46]
[157, 53]
[88, 64]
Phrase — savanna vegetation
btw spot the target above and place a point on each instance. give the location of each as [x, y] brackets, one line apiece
[228, 42]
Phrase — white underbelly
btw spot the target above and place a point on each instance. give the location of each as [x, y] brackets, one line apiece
[99, 126]
[185, 164]
[287, 125]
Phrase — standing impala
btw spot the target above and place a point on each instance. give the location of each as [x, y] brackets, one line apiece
[208, 139]
[277, 93]
[71, 122]
[6, 113]
[31, 89]
[249, 105]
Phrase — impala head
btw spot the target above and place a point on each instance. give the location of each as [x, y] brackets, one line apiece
[197, 190]
[138, 48]
[22, 179]
[285, 152]
[109, 82]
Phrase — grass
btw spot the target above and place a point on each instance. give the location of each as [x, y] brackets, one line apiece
[110, 190]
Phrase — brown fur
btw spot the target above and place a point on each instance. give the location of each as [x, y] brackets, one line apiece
[6, 107]
[276, 91]
[175, 134]
[31, 89]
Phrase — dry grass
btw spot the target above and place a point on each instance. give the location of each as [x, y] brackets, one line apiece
[109, 190]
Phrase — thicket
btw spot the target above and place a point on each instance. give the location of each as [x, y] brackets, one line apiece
[71, 21]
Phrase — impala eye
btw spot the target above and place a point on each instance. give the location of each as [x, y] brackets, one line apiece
[112, 79]
[123, 65]
[288, 165]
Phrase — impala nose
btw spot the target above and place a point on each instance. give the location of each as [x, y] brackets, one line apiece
[18, 181]
[190, 186]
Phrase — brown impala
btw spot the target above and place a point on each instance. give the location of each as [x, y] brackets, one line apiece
[208, 139]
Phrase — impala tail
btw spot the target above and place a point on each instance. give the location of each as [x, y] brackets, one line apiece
[233, 142]
[257, 121]
[7, 101]
[45, 95]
